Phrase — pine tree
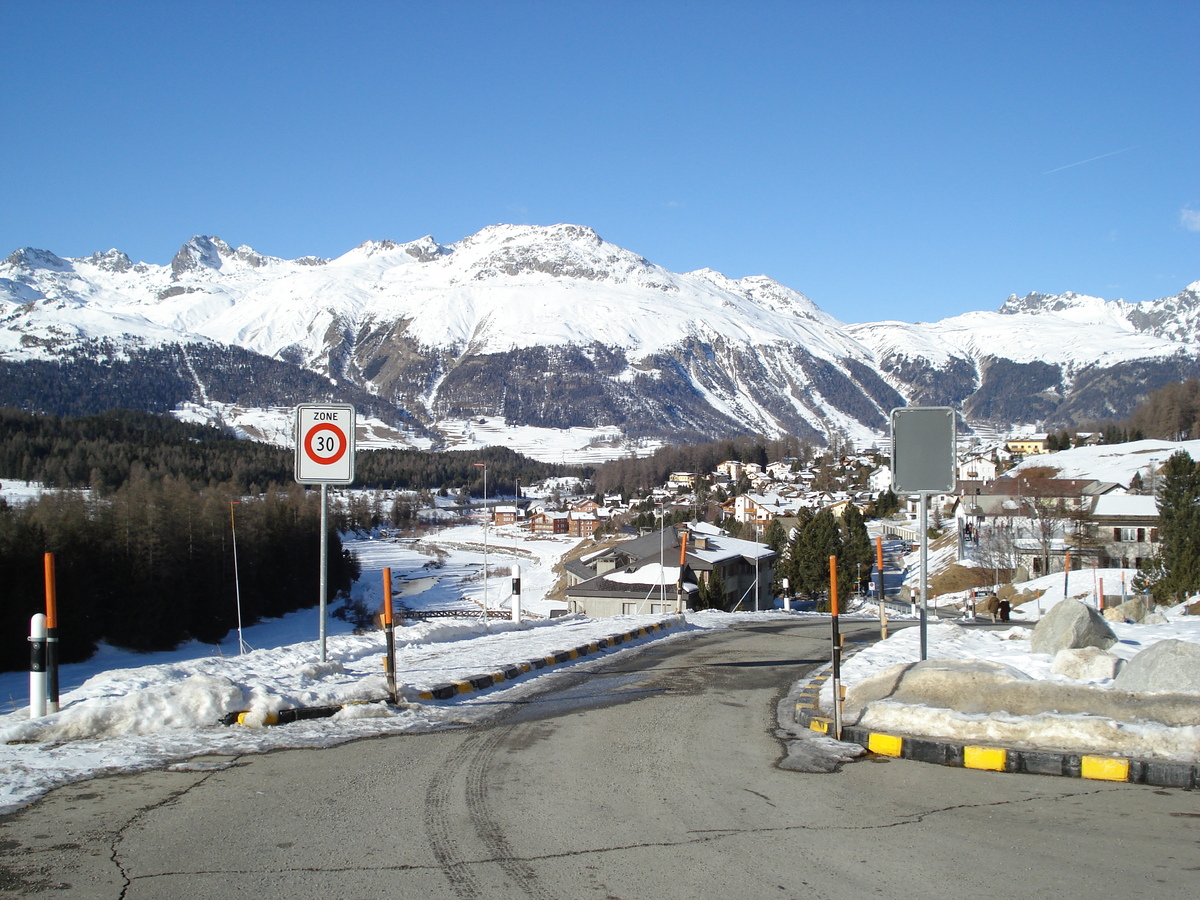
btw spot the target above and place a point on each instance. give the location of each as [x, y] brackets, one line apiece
[858, 554]
[1179, 529]
[820, 540]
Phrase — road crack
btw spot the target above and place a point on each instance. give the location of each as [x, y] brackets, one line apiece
[171, 798]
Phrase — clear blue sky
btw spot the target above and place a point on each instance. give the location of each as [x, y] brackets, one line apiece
[891, 160]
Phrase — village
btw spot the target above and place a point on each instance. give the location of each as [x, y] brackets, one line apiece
[701, 539]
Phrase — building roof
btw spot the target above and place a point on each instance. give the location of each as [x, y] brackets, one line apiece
[1126, 506]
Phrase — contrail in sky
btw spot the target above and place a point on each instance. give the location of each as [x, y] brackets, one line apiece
[1093, 159]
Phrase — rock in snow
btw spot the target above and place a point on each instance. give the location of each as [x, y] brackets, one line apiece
[1071, 625]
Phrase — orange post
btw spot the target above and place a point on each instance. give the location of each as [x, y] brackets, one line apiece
[879, 564]
[51, 636]
[837, 650]
[679, 582]
[389, 629]
[833, 598]
[387, 596]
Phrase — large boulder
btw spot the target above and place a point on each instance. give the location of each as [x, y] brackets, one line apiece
[1168, 666]
[1086, 664]
[1135, 609]
[1070, 625]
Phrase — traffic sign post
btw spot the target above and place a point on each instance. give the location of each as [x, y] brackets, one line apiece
[324, 456]
[923, 463]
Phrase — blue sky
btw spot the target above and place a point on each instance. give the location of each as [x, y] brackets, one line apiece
[890, 160]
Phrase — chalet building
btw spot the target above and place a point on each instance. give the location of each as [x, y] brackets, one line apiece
[644, 576]
[582, 523]
[977, 468]
[880, 479]
[760, 509]
[682, 480]
[546, 522]
[1124, 529]
[507, 515]
[783, 470]
[731, 469]
[1027, 446]
[1035, 523]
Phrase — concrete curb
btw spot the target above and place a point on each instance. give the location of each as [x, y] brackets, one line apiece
[483, 682]
[1099, 767]
[453, 689]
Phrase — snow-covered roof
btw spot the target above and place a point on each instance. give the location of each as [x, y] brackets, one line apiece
[1126, 506]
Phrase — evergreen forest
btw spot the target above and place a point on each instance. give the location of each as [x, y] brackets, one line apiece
[142, 525]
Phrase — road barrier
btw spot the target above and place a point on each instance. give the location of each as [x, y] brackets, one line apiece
[450, 690]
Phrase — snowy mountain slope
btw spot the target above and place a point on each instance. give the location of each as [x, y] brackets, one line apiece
[1059, 358]
[545, 326]
[555, 327]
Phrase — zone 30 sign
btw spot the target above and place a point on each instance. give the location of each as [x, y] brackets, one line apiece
[325, 444]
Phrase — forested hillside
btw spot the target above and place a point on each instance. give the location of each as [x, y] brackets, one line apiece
[97, 376]
[145, 556]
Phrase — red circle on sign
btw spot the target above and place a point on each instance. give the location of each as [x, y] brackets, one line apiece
[322, 460]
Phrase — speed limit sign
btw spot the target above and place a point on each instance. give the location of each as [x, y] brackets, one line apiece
[325, 444]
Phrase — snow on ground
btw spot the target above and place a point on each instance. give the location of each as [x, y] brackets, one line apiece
[18, 492]
[1110, 462]
[1011, 647]
[1082, 584]
[566, 446]
[126, 712]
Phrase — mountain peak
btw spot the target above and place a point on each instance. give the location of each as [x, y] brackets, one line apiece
[201, 252]
[32, 258]
[111, 261]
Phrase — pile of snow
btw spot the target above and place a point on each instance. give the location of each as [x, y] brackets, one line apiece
[1002, 657]
[147, 716]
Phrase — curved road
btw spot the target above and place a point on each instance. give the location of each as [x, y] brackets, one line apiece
[647, 773]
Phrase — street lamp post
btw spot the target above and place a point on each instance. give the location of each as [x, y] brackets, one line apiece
[237, 586]
[485, 544]
[756, 527]
[662, 558]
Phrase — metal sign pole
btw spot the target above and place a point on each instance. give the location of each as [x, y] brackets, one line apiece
[924, 574]
[923, 463]
[324, 560]
[324, 455]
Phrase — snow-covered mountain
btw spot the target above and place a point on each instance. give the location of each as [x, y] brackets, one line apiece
[1057, 359]
[555, 327]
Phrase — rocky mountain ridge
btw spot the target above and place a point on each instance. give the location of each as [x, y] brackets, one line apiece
[555, 327]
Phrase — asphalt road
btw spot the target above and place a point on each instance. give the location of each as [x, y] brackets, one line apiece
[642, 774]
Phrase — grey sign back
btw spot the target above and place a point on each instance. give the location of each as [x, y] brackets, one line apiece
[923, 439]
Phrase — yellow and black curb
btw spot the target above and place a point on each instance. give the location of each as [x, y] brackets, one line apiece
[491, 679]
[1161, 773]
[482, 682]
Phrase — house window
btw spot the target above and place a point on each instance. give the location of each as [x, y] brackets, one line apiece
[629, 609]
[1141, 536]
[656, 608]
[1154, 535]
